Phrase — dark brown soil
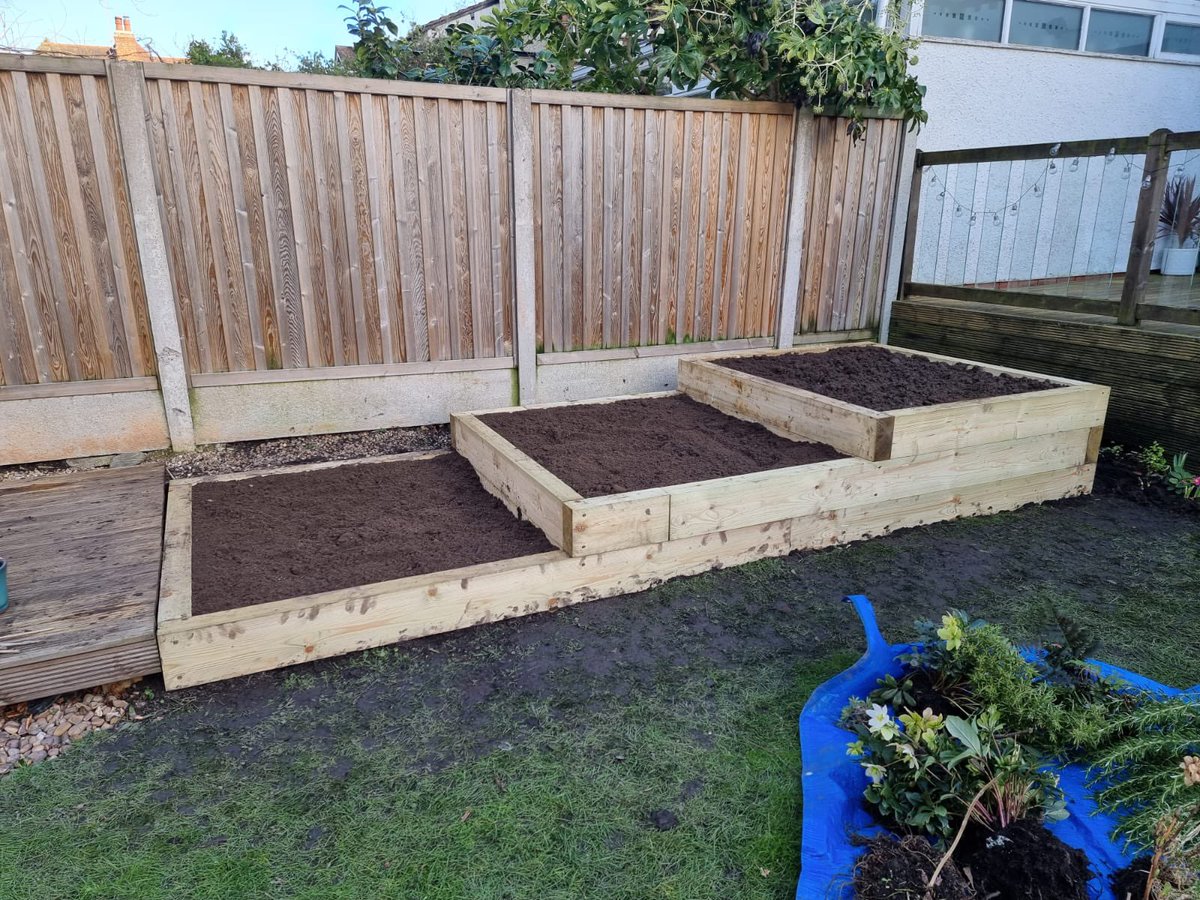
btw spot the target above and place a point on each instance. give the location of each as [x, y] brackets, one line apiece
[279, 536]
[1024, 861]
[630, 445]
[927, 696]
[900, 869]
[1130, 882]
[879, 379]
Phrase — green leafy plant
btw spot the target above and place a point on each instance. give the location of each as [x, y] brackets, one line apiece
[1153, 459]
[925, 770]
[828, 56]
[1180, 480]
[1147, 765]
[891, 692]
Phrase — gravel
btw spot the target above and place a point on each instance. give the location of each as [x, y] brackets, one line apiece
[221, 459]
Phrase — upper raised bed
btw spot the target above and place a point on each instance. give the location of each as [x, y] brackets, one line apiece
[882, 403]
[597, 476]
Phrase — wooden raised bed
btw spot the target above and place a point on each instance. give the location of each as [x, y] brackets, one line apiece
[896, 433]
[1059, 459]
[197, 649]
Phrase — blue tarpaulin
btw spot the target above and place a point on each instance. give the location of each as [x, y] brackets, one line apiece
[833, 783]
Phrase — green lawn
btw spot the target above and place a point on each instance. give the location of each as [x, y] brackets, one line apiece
[635, 748]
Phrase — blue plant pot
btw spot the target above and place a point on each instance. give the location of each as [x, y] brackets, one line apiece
[3, 585]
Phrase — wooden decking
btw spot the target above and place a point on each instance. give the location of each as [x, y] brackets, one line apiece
[83, 552]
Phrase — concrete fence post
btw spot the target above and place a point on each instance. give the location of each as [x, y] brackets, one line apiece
[520, 112]
[127, 85]
[793, 259]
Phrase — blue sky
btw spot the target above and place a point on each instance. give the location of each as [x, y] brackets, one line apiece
[266, 27]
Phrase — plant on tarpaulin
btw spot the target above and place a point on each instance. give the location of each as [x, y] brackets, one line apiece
[924, 768]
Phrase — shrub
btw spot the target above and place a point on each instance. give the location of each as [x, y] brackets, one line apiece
[826, 55]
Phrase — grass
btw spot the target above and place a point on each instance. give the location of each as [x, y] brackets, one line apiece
[565, 813]
[532, 759]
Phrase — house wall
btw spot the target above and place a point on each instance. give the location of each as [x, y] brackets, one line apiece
[983, 94]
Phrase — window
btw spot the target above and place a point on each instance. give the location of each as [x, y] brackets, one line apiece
[1118, 32]
[978, 20]
[1060, 25]
[1181, 39]
[1045, 25]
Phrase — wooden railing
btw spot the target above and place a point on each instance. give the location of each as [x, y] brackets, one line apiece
[1132, 306]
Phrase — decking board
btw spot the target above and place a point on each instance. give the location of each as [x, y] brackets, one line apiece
[83, 552]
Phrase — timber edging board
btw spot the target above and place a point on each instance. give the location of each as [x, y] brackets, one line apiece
[892, 434]
[214, 646]
[929, 448]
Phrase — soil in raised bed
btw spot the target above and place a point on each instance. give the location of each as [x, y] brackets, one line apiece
[277, 536]
[631, 445]
[880, 379]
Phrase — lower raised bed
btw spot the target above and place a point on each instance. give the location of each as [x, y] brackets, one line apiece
[282, 628]
[568, 450]
[882, 403]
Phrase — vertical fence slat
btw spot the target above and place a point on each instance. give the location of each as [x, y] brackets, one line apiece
[307, 225]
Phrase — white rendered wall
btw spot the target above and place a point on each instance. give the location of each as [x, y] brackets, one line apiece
[982, 95]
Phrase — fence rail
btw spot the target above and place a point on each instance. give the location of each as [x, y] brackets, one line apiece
[303, 227]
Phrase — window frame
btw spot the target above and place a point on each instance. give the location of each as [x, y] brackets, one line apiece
[1159, 22]
[1162, 33]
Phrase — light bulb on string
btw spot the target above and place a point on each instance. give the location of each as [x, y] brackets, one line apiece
[1013, 209]
[1075, 164]
[972, 222]
[995, 218]
[1053, 167]
[1110, 155]
[958, 210]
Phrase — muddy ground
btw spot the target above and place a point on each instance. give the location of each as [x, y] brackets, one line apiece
[1093, 557]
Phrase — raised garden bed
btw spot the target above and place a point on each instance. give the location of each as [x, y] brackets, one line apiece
[314, 565]
[887, 403]
[677, 469]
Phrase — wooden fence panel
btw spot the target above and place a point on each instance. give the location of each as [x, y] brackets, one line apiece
[657, 221]
[72, 302]
[316, 227]
[849, 223]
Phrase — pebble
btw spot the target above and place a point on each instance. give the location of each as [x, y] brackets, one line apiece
[29, 739]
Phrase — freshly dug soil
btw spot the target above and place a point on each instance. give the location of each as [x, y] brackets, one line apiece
[881, 380]
[279, 536]
[1024, 861]
[630, 445]
[1130, 882]
[892, 869]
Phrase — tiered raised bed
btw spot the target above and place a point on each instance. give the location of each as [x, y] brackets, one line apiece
[905, 466]
[263, 570]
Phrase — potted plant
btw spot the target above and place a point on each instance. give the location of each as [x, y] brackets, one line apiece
[1180, 218]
